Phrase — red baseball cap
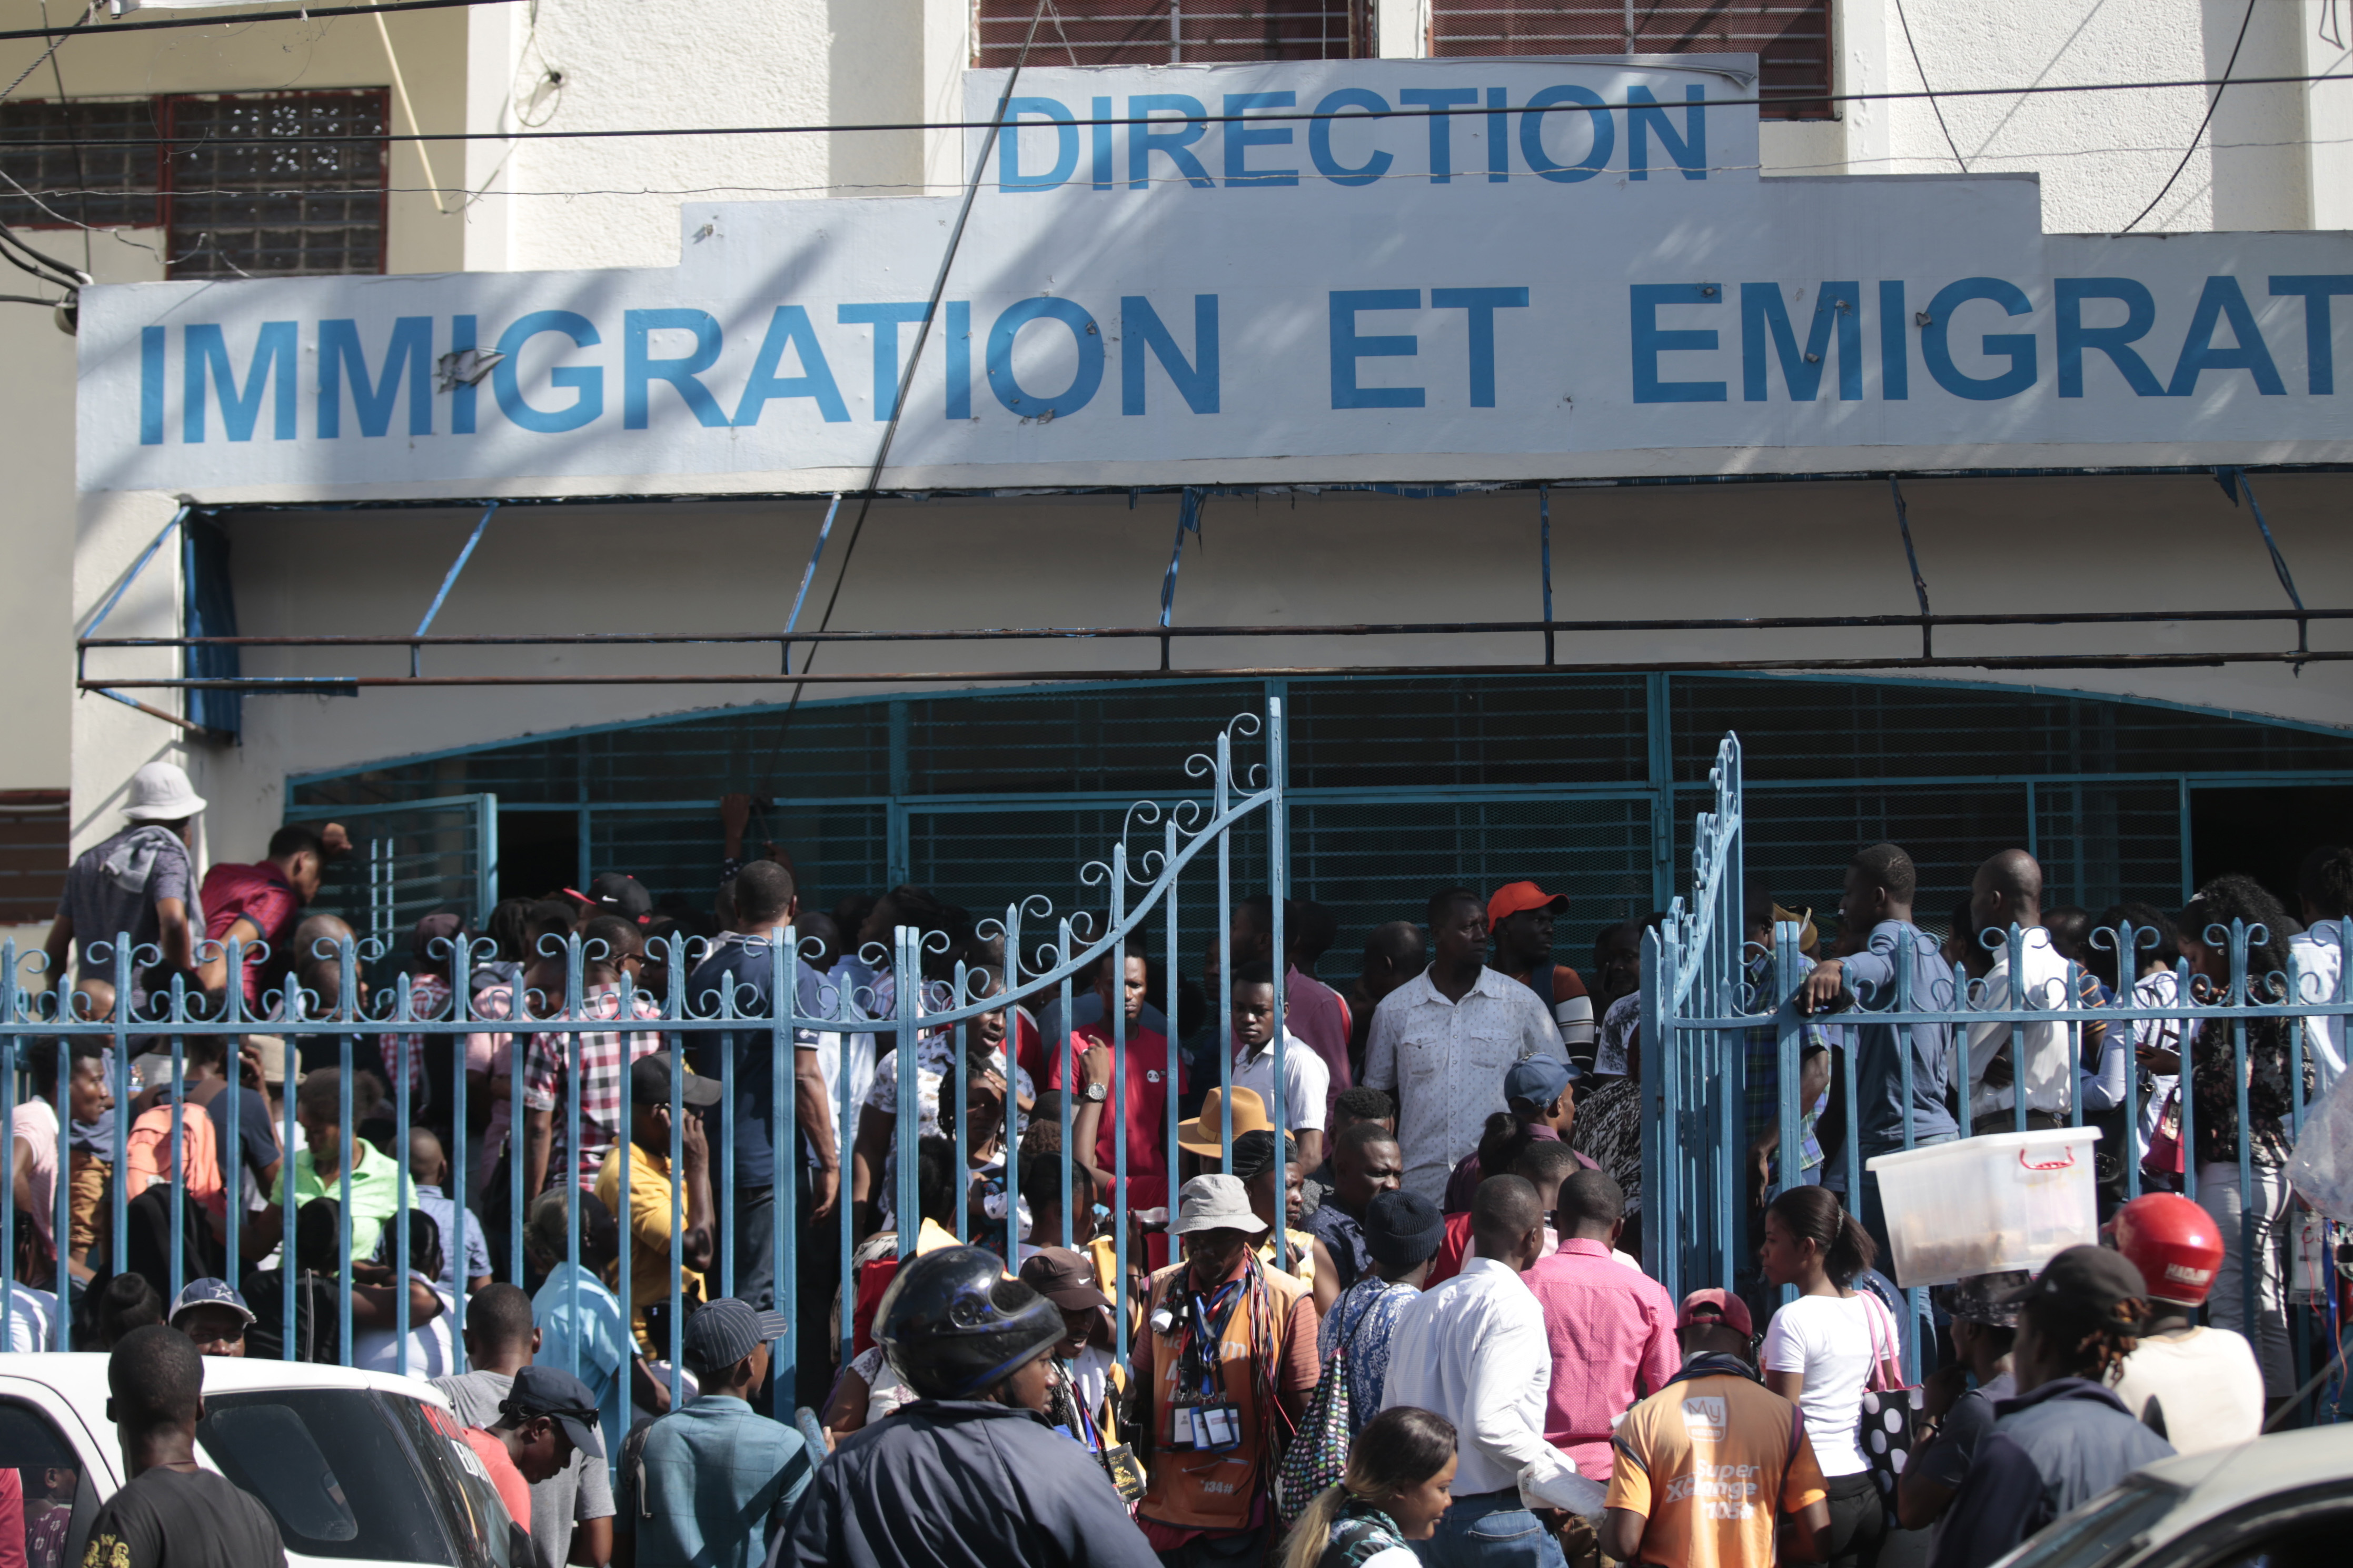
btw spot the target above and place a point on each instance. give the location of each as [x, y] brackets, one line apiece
[1516, 897]
[1729, 1309]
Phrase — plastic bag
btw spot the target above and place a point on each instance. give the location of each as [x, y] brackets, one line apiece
[1562, 1488]
[2321, 1166]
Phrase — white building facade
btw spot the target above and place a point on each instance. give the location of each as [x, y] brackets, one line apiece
[1782, 351]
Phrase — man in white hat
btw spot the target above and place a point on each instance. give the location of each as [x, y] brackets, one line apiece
[141, 882]
[1229, 1339]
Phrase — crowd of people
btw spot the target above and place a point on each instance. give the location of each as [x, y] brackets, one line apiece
[1388, 1291]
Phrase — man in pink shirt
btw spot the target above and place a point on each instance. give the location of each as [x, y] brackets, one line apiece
[1311, 1009]
[1611, 1329]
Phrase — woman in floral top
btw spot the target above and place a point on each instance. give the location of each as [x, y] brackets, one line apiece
[2273, 1092]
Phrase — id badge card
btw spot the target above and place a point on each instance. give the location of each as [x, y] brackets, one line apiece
[1220, 1426]
[1181, 1431]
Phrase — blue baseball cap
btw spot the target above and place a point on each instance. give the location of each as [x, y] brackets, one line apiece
[1538, 1081]
[209, 1293]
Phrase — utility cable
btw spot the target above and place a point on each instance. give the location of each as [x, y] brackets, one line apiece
[1923, 72]
[304, 14]
[907, 374]
[2213, 104]
[1255, 117]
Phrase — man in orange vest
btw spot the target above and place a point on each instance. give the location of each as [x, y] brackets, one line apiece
[1222, 1373]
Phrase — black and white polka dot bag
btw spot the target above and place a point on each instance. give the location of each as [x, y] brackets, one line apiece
[1889, 1422]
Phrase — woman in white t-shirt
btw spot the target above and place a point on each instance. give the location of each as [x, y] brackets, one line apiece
[1820, 1351]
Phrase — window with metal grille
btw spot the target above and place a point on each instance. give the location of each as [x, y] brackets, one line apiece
[53, 181]
[273, 188]
[34, 854]
[1172, 32]
[254, 184]
[1791, 38]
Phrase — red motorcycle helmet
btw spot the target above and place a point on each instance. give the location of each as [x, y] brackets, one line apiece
[2175, 1244]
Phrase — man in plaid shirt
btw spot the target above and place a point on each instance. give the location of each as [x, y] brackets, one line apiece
[610, 947]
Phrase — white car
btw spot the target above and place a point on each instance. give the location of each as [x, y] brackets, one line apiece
[2283, 1501]
[358, 1468]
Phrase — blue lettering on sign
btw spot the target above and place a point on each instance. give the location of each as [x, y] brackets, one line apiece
[1644, 115]
[1499, 136]
[586, 381]
[410, 352]
[150, 385]
[2221, 299]
[1762, 308]
[2319, 346]
[1347, 348]
[885, 320]
[1240, 139]
[1174, 143]
[640, 368]
[1100, 113]
[2072, 337]
[1894, 344]
[789, 327]
[1597, 156]
[1319, 138]
[1442, 126]
[463, 332]
[277, 348]
[1483, 304]
[1936, 342]
[1083, 382]
[1651, 341]
[959, 346]
[1142, 334]
[1010, 176]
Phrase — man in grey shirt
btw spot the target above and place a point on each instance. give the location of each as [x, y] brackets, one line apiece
[571, 1510]
[140, 883]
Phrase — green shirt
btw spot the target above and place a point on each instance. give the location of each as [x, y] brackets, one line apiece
[375, 1193]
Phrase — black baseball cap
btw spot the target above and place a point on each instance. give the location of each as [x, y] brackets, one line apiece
[2087, 1277]
[649, 1081]
[618, 893]
[553, 1391]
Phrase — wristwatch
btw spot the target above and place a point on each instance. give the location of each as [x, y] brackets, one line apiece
[1095, 1093]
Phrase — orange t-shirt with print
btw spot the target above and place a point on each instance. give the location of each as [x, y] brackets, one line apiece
[1710, 1462]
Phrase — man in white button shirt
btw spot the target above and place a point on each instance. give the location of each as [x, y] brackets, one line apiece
[2007, 891]
[1442, 1040]
[1473, 1350]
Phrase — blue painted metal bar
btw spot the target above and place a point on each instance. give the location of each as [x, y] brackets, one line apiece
[449, 581]
[2232, 480]
[1544, 531]
[1912, 559]
[809, 572]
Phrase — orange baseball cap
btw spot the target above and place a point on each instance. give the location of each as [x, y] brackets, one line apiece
[1516, 897]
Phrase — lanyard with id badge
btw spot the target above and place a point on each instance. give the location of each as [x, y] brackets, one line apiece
[1201, 1419]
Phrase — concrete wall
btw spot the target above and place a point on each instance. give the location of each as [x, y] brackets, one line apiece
[1778, 548]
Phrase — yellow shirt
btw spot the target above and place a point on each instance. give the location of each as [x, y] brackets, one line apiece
[1302, 1257]
[652, 1194]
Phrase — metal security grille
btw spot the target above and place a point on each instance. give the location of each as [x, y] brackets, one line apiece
[289, 206]
[51, 187]
[1171, 32]
[1791, 38]
[408, 861]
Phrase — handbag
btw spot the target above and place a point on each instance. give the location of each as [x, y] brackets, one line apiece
[1887, 1427]
[1318, 1455]
[2164, 1156]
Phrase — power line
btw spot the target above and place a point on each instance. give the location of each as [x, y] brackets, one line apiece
[308, 14]
[2213, 104]
[1165, 121]
[1958, 160]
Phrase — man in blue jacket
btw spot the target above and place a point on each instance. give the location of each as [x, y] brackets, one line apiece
[970, 1474]
[2065, 1438]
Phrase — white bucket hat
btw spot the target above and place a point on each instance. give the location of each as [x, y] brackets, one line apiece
[1215, 1203]
[160, 791]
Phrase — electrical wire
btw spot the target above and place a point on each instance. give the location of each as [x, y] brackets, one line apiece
[1276, 118]
[2211, 105]
[306, 13]
[1923, 72]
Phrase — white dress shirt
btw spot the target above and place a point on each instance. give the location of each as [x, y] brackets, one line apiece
[1446, 1060]
[2319, 959]
[1473, 1350]
[2049, 1070]
[1306, 1081]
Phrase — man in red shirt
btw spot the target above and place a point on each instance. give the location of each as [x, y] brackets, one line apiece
[260, 902]
[546, 1414]
[1520, 916]
[1612, 1328]
[1142, 1111]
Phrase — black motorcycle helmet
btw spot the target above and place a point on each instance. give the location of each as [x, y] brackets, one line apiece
[952, 1324]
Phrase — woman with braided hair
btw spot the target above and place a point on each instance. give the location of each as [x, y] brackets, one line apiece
[2065, 1438]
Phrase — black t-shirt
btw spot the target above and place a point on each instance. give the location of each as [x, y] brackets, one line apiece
[184, 1519]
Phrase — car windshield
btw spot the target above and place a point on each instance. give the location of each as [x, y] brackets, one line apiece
[331, 1469]
[2099, 1531]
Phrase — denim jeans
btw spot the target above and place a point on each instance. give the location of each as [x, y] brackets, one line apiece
[1490, 1528]
[2226, 1306]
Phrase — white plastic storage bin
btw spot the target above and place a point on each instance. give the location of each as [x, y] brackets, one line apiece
[1983, 1205]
